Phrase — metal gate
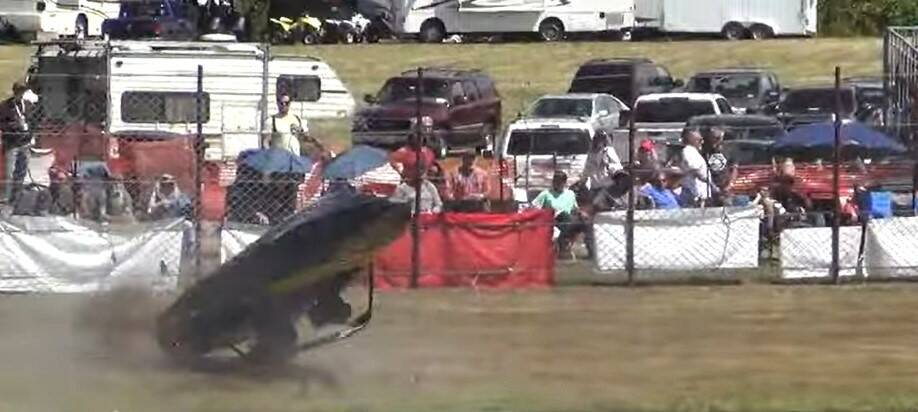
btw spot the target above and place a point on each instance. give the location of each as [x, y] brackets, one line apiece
[900, 66]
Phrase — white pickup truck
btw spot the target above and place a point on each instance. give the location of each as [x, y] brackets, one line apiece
[662, 116]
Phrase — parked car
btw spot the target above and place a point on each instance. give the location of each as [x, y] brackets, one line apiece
[814, 104]
[463, 105]
[625, 78]
[742, 126]
[661, 117]
[602, 111]
[536, 148]
[871, 98]
[748, 90]
[172, 20]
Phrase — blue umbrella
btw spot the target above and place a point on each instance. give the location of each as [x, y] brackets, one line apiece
[855, 136]
[355, 162]
[275, 161]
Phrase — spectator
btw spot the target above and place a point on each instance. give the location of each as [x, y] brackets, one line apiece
[438, 177]
[166, 200]
[119, 205]
[785, 207]
[289, 132]
[16, 137]
[658, 192]
[602, 162]
[569, 222]
[468, 186]
[613, 196]
[647, 157]
[430, 198]
[697, 182]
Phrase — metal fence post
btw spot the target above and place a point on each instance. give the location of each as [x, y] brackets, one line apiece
[415, 220]
[629, 217]
[198, 166]
[836, 196]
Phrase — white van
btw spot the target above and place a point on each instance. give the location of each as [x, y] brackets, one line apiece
[150, 87]
[44, 19]
[432, 20]
[536, 148]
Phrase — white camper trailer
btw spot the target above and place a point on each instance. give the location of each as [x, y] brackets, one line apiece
[734, 19]
[433, 20]
[150, 87]
[36, 19]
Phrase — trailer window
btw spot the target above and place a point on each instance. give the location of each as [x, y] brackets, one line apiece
[163, 107]
[300, 88]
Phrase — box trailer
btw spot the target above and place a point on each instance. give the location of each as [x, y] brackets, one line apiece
[733, 19]
[149, 87]
[552, 20]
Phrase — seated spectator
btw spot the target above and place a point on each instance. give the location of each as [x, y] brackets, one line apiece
[658, 192]
[166, 200]
[437, 176]
[61, 191]
[613, 196]
[430, 198]
[786, 207]
[468, 186]
[568, 220]
[119, 204]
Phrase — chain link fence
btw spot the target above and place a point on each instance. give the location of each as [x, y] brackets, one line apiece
[138, 172]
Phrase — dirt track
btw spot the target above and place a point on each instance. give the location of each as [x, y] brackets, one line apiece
[737, 348]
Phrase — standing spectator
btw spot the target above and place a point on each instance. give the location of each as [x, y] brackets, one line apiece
[430, 198]
[697, 181]
[16, 138]
[647, 157]
[468, 187]
[602, 162]
[289, 132]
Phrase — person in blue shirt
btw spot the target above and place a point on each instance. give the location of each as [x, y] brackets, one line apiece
[657, 191]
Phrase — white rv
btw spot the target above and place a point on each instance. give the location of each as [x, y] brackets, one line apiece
[37, 19]
[433, 20]
[150, 87]
[734, 19]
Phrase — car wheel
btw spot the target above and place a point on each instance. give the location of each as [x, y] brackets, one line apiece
[432, 31]
[734, 31]
[761, 32]
[551, 30]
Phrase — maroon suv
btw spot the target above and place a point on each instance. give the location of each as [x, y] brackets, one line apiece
[463, 105]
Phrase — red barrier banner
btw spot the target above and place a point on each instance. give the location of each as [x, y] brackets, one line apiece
[502, 251]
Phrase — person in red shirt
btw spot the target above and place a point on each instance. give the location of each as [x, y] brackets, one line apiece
[468, 186]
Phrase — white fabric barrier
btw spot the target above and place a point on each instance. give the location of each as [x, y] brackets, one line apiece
[234, 238]
[64, 255]
[892, 247]
[890, 250]
[683, 239]
[806, 253]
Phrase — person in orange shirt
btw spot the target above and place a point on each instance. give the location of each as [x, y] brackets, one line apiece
[468, 186]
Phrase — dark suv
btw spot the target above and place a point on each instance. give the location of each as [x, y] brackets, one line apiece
[803, 106]
[625, 78]
[750, 90]
[463, 105]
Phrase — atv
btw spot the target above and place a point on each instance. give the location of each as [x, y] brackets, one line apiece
[304, 29]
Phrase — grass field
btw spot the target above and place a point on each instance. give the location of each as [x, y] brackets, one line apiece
[750, 348]
[524, 71]
[740, 348]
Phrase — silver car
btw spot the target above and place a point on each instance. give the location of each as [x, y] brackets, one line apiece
[601, 111]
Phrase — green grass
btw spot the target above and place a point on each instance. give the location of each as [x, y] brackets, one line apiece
[524, 71]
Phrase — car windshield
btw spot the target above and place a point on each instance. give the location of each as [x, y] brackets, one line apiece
[562, 108]
[547, 142]
[816, 100]
[671, 110]
[141, 9]
[733, 86]
[406, 89]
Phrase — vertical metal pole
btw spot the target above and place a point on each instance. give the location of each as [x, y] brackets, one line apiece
[415, 220]
[629, 217]
[836, 196]
[886, 84]
[198, 166]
